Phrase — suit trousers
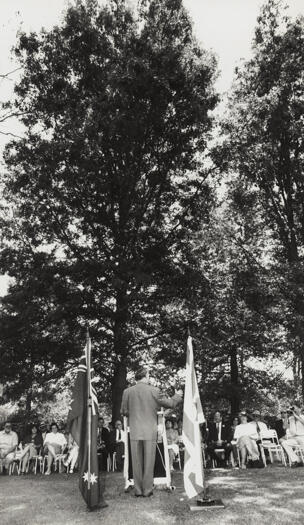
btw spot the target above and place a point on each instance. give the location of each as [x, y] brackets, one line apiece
[143, 461]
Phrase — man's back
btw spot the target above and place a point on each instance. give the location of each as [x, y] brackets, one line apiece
[141, 403]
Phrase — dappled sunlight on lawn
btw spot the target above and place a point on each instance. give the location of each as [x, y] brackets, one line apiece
[271, 496]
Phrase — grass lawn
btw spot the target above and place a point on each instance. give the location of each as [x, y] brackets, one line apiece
[274, 495]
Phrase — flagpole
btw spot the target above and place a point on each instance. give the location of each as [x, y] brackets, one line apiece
[205, 501]
[89, 398]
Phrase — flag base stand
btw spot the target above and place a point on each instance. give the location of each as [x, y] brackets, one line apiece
[204, 502]
[208, 503]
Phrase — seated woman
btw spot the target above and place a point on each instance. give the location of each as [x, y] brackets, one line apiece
[72, 455]
[54, 443]
[172, 440]
[32, 444]
[244, 437]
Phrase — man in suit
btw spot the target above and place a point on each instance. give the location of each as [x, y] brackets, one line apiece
[218, 439]
[117, 444]
[103, 436]
[140, 404]
[282, 425]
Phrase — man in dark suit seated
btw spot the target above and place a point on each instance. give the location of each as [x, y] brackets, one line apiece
[103, 438]
[140, 404]
[281, 425]
[218, 439]
[116, 444]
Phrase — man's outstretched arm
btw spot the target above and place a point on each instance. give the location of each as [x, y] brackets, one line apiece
[170, 402]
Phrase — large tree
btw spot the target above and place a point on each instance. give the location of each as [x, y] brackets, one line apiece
[234, 310]
[109, 176]
[264, 146]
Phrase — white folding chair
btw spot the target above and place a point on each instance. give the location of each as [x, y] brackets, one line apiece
[16, 463]
[235, 463]
[58, 462]
[299, 450]
[220, 451]
[38, 460]
[114, 465]
[177, 455]
[270, 442]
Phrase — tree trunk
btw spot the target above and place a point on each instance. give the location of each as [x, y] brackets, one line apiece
[28, 403]
[301, 370]
[121, 340]
[234, 376]
[119, 382]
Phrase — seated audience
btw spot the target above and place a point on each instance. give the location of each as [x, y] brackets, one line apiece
[218, 439]
[103, 438]
[8, 445]
[117, 444]
[72, 457]
[54, 443]
[32, 444]
[172, 440]
[295, 435]
[245, 437]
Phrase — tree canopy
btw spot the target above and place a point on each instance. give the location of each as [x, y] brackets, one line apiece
[109, 178]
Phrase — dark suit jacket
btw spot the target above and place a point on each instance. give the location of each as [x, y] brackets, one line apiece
[140, 404]
[213, 433]
[104, 436]
[278, 426]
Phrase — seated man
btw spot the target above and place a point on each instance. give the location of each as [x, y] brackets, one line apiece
[257, 425]
[117, 444]
[281, 426]
[54, 443]
[8, 445]
[103, 444]
[295, 435]
[218, 439]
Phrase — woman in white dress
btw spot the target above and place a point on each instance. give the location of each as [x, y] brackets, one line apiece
[244, 436]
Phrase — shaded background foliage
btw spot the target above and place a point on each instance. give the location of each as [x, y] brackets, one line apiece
[121, 215]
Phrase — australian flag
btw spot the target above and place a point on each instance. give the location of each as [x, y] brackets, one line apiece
[84, 400]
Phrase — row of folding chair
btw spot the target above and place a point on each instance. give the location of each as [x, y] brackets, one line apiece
[39, 461]
[271, 444]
